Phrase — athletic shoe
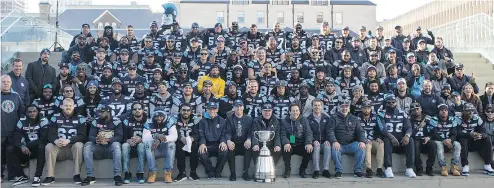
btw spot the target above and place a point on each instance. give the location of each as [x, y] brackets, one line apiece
[194, 176]
[369, 173]
[77, 179]
[20, 180]
[180, 177]
[127, 178]
[211, 176]
[388, 172]
[326, 174]
[117, 180]
[410, 173]
[246, 176]
[358, 174]
[315, 174]
[429, 172]
[233, 177]
[488, 170]
[337, 175]
[380, 173]
[36, 182]
[302, 174]
[465, 171]
[218, 176]
[88, 181]
[140, 178]
[48, 181]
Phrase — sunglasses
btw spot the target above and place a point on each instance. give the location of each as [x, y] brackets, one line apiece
[339, 42]
[489, 112]
[204, 53]
[148, 41]
[132, 68]
[135, 109]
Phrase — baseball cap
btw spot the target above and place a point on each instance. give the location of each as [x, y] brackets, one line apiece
[363, 28]
[418, 28]
[153, 23]
[355, 39]
[218, 25]
[101, 50]
[238, 67]
[468, 106]
[401, 80]
[124, 50]
[207, 82]
[371, 68]
[107, 67]
[171, 38]
[132, 65]
[406, 40]
[489, 107]
[64, 65]
[105, 108]
[45, 50]
[366, 103]
[157, 70]
[410, 54]
[220, 39]
[415, 105]
[234, 24]
[267, 106]
[177, 54]
[281, 83]
[93, 83]
[436, 68]
[303, 84]
[188, 84]
[397, 27]
[387, 38]
[150, 54]
[345, 102]
[446, 86]
[357, 87]
[347, 67]
[238, 102]
[455, 93]
[212, 104]
[421, 41]
[195, 25]
[459, 66]
[116, 81]
[442, 106]
[389, 97]
[194, 39]
[346, 28]
[392, 51]
[373, 53]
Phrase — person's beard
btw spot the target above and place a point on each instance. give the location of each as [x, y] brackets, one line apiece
[75, 59]
[415, 115]
[214, 75]
[185, 117]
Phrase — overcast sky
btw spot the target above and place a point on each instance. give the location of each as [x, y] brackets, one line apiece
[386, 9]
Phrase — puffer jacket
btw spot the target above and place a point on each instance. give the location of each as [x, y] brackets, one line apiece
[299, 128]
[345, 130]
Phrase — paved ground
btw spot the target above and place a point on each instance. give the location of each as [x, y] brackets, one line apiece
[474, 181]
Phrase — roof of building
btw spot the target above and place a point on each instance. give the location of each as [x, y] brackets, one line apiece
[205, 1]
[298, 2]
[351, 2]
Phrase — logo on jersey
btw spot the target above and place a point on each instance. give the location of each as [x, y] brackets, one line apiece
[217, 125]
[8, 106]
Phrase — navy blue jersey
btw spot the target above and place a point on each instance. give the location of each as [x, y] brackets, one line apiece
[274, 56]
[147, 71]
[281, 109]
[309, 69]
[279, 36]
[376, 102]
[467, 126]
[204, 69]
[420, 128]
[132, 127]
[47, 108]
[299, 54]
[398, 123]
[121, 107]
[129, 84]
[67, 128]
[441, 130]
[327, 41]
[234, 40]
[161, 102]
[211, 39]
[256, 66]
[283, 70]
[266, 84]
[370, 127]
[145, 100]
[194, 101]
[346, 85]
[78, 104]
[97, 69]
[330, 102]
[162, 128]
[253, 104]
[120, 69]
[256, 40]
[32, 132]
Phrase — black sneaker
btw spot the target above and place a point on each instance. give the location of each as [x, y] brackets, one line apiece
[358, 174]
[420, 171]
[140, 177]
[380, 173]
[286, 174]
[302, 174]
[88, 181]
[211, 176]
[369, 173]
[180, 177]
[233, 177]
[77, 179]
[315, 175]
[428, 171]
[48, 181]
[326, 174]
[218, 176]
[36, 182]
[117, 180]
[20, 180]
[337, 175]
[194, 176]
[246, 176]
[127, 178]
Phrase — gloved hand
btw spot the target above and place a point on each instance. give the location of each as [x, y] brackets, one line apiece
[369, 33]
[430, 33]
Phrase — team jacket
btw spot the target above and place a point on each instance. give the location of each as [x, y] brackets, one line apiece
[420, 127]
[299, 128]
[345, 130]
[240, 128]
[467, 126]
[441, 130]
[26, 133]
[213, 131]
[72, 128]
[319, 128]
[111, 129]
[166, 128]
[47, 107]
[272, 124]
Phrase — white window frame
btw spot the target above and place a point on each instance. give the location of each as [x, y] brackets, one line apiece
[220, 14]
[260, 17]
[280, 17]
[241, 17]
[300, 17]
[319, 17]
[338, 18]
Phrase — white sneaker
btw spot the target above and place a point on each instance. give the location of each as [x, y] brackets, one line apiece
[488, 170]
[410, 173]
[389, 173]
[465, 171]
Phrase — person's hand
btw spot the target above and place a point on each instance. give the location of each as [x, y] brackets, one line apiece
[429, 33]
[394, 141]
[405, 140]
[255, 148]
[447, 59]
[277, 149]
[447, 143]
[98, 140]
[223, 146]
[426, 139]
[326, 143]
[161, 137]
[65, 142]
[472, 79]
[367, 141]
[336, 146]
[58, 142]
[25, 150]
[196, 67]
[155, 144]
[131, 142]
[247, 144]
[369, 32]
[202, 149]
[183, 140]
[354, 100]
[170, 71]
[343, 84]
[308, 148]
[287, 147]
[379, 141]
[115, 35]
[137, 139]
[361, 145]
[316, 143]
[215, 51]
[76, 80]
[444, 74]
[98, 34]
[231, 145]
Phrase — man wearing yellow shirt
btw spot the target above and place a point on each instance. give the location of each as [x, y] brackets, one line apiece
[218, 87]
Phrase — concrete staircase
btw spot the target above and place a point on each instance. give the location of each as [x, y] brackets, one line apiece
[479, 66]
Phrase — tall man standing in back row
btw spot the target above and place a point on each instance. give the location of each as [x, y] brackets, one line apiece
[39, 73]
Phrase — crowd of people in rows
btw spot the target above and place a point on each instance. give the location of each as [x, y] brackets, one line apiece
[204, 93]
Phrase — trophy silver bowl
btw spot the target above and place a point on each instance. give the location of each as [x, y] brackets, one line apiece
[265, 168]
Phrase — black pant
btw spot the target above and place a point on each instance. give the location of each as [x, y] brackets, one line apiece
[213, 150]
[16, 157]
[6, 141]
[239, 150]
[430, 148]
[483, 146]
[180, 154]
[300, 151]
[389, 149]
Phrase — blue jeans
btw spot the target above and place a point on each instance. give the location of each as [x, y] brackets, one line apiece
[455, 160]
[126, 153]
[166, 150]
[348, 149]
[98, 152]
[316, 156]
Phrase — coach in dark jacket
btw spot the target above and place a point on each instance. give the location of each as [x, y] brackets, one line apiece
[346, 136]
[40, 73]
[297, 139]
[267, 122]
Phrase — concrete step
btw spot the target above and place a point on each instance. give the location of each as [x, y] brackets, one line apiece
[467, 55]
[466, 61]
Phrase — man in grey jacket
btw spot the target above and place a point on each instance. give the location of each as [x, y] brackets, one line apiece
[347, 137]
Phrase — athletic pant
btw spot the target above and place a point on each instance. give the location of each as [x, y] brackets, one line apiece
[483, 146]
[16, 157]
[389, 149]
[430, 148]
[180, 155]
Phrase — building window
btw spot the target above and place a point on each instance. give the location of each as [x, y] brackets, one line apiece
[319, 17]
[280, 17]
[338, 18]
[240, 2]
[100, 25]
[114, 25]
[240, 17]
[260, 17]
[220, 17]
[280, 2]
[300, 17]
[320, 2]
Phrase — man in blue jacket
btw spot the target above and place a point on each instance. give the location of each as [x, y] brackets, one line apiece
[212, 141]
[104, 138]
[19, 83]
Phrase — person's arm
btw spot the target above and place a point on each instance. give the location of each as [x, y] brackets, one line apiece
[30, 80]
[202, 132]
[284, 136]
[81, 131]
[118, 133]
[330, 130]
[172, 134]
[225, 133]
[228, 129]
[309, 136]
[200, 83]
[359, 131]
[277, 136]
[27, 98]
[382, 125]
[221, 91]
[254, 128]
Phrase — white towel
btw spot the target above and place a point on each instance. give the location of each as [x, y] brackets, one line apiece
[147, 136]
[188, 145]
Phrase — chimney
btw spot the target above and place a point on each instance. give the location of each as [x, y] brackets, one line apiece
[44, 11]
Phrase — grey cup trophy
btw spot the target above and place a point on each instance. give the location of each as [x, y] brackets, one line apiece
[265, 168]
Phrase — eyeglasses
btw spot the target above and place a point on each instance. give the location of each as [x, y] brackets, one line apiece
[68, 91]
[148, 41]
[204, 53]
[338, 42]
[135, 109]
[489, 112]
[170, 41]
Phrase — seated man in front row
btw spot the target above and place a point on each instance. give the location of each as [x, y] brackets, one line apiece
[104, 138]
[346, 136]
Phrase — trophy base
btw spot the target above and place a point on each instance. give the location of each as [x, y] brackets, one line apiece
[266, 180]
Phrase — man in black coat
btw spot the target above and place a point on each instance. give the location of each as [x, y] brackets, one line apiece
[39, 73]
